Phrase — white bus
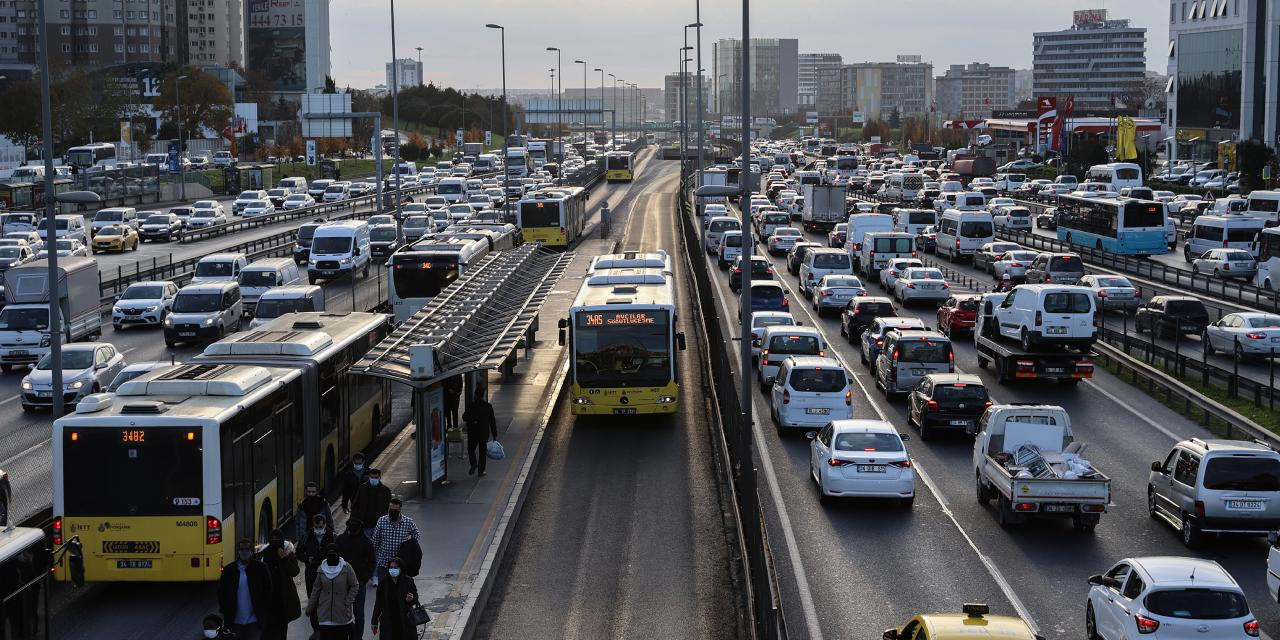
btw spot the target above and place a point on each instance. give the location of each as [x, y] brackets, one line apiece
[92, 155]
[1267, 249]
[421, 271]
[1117, 174]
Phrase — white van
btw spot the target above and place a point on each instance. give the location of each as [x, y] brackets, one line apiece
[453, 189]
[729, 249]
[970, 201]
[913, 220]
[220, 266]
[860, 224]
[961, 233]
[70, 226]
[294, 185]
[715, 227]
[879, 247]
[264, 274]
[903, 186]
[339, 248]
[1035, 314]
[1264, 205]
[1221, 232]
[115, 215]
[277, 301]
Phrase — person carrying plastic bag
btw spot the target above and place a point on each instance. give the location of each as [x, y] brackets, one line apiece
[481, 425]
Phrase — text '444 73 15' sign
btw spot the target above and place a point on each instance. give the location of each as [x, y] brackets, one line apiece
[276, 13]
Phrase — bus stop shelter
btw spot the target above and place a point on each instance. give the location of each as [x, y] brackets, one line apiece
[474, 325]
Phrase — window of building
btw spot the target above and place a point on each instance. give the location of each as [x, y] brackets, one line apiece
[93, 14]
[116, 14]
[1184, 12]
[66, 47]
[118, 31]
[119, 48]
[93, 48]
[66, 30]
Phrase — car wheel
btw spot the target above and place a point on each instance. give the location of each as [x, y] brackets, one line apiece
[1195, 269]
[1208, 344]
[907, 502]
[1090, 624]
[1151, 502]
[1025, 339]
[1239, 352]
[1137, 323]
[117, 326]
[1190, 532]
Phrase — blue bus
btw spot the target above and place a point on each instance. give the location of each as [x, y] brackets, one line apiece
[1117, 225]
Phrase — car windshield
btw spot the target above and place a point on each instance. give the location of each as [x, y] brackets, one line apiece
[297, 197]
[108, 231]
[1114, 282]
[249, 195]
[196, 302]
[160, 219]
[831, 261]
[1185, 307]
[893, 245]
[143, 292]
[924, 274]
[1240, 473]
[258, 278]
[1243, 256]
[766, 294]
[722, 225]
[732, 240]
[867, 442]
[931, 351]
[875, 308]
[203, 213]
[9, 252]
[1058, 264]
[1020, 256]
[822, 379]
[383, 234]
[1197, 604]
[330, 245]
[416, 222]
[71, 360]
[845, 281]
[960, 392]
[214, 268]
[1067, 302]
[772, 321]
[108, 216]
[66, 245]
[277, 307]
[794, 344]
[975, 229]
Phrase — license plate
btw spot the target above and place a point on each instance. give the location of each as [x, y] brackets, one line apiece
[1245, 505]
[818, 412]
[130, 546]
[1188, 327]
[871, 468]
[133, 564]
[44, 394]
[1059, 508]
[920, 372]
[1241, 265]
[23, 352]
[841, 296]
[624, 412]
[186, 334]
[1056, 330]
[327, 272]
[1274, 339]
[1055, 370]
[959, 423]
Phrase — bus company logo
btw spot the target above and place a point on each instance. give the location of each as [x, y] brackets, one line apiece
[113, 526]
[80, 526]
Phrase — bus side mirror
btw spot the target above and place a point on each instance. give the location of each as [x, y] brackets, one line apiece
[680, 343]
[75, 561]
[564, 330]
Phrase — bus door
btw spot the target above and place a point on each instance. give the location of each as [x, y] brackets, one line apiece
[238, 485]
[24, 595]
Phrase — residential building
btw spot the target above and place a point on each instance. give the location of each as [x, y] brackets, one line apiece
[90, 33]
[818, 82]
[974, 90]
[775, 67]
[1094, 61]
[1023, 83]
[407, 73]
[879, 89]
[297, 57]
[676, 84]
[214, 32]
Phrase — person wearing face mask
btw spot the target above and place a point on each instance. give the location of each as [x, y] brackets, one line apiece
[391, 531]
[371, 500]
[396, 595]
[311, 548]
[333, 597]
[352, 478]
[282, 564]
[313, 504]
[244, 592]
[357, 550]
[213, 629]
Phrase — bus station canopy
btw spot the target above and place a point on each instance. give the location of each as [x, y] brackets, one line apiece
[476, 322]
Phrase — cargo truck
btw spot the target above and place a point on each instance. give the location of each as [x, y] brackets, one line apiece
[472, 148]
[24, 321]
[824, 207]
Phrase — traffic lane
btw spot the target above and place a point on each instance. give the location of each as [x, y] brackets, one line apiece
[1126, 430]
[622, 534]
[844, 547]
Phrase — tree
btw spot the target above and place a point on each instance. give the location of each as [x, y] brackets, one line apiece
[206, 102]
[1252, 156]
[895, 119]
[83, 105]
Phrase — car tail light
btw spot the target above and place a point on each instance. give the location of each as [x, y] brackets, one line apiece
[1039, 318]
[1138, 292]
[824, 293]
[1102, 294]
[933, 405]
[786, 396]
[957, 243]
[768, 272]
[737, 269]
[901, 464]
[1200, 508]
[57, 531]
[1145, 624]
[1251, 628]
[212, 530]
[1255, 336]
[879, 341]
[893, 273]
[786, 304]
[1024, 506]
[911, 285]
[838, 463]
[848, 398]
[1226, 266]
[913, 254]
[946, 286]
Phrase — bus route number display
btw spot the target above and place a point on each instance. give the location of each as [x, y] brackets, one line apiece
[618, 318]
[133, 436]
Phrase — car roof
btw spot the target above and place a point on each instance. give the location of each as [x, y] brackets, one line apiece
[146, 283]
[1214, 445]
[214, 286]
[85, 346]
[772, 314]
[814, 362]
[954, 378]
[860, 425]
[877, 299]
[796, 329]
[946, 626]
[919, 334]
[1184, 571]
[223, 256]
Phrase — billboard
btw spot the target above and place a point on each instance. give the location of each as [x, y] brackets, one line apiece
[1087, 17]
[276, 42]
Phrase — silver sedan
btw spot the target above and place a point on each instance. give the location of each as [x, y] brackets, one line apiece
[921, 284]
[1013, 264]
[1248, 333]
[1225, 263]
[835, 292]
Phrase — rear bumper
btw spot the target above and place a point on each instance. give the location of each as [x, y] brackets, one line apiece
[1252, 526]
[26, 355]
[799, 418]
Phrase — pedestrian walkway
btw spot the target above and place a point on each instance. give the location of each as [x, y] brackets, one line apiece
[465, 525]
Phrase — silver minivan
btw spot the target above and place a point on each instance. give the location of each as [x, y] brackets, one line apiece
[715, 228]
[264, 274]
[908, 356]
[204, 312]
[1216, 486]
[277, 301]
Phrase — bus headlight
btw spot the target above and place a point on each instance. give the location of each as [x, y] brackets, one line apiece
[666, 399]
[582, 400]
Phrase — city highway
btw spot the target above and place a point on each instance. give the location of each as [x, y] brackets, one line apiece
[851, 569]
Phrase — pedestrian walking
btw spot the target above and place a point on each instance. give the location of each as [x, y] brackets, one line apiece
[481, 424]
[312, 505]
[311, 548]
[391, 605]
[244, 592]
[452, 398]
[279, 555]
[356, 548]
[333, 597]
[352, 478]
[371, 500]
[214, 629]
[391, 531]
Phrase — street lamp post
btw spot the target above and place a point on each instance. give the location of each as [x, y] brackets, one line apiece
[635, 110]
[623, 106]
[182, 172]
[559, 89]
[584, 99]
[419, 64]
[684, 105]
[552, 75]
[702, 138]
[395, 111]
[601, 96]
[506, 144]
[745, 335]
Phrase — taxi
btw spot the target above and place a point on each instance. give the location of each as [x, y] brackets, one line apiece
[972, 624]
[115, 237]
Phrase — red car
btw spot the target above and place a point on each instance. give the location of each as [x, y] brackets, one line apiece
[958, 313]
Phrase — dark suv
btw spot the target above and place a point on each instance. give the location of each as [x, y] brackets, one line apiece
[947, 401]
[861, 312]
[1169, 315]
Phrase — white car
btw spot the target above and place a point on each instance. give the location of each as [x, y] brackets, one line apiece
[298, 201]
[809, 392]
[921, 283]
[1012, 217]
[998, 203]
[1013, 264]
[1048, 314]
[31, 238]
[783, 239]
[206, 218]
[889, 274]
[1225, 263]
[87, 367]
[835, 291]
[381, 219]
[258, 208]
[206, 205]
[861, 459]
[1167, 597]
[1114, 293]
[247, 198]
[67, 247]
[145, 303]
[1246, 333]
[714, 209]
[136, 370]
[762, 319]
[1017, 165]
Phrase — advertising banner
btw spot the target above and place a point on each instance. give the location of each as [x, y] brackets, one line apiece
[439, 446]
[276, 42]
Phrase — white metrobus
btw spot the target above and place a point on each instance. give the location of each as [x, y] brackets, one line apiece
[1267, 249]
[160, 479]
[1117, 174]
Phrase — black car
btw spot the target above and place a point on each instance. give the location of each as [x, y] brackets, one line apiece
[384, 239]
[302, 245]
[927, 239]
[861, 312]
[1169, 315]
[761, 269]
[797, 254]
[947, 401]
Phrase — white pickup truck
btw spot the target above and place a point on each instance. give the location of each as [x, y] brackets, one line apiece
[1026, 459]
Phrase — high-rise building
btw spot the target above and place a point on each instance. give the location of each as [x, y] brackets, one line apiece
[673, 86]
[1095, 61]
[288, 42]
[90, 33]
[879, 89]
[974, 90]
[214, 32]
[818, 82]
[408, 73]
[775, 67]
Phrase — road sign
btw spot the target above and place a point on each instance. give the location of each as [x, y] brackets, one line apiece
[311, 153]
[457, 135]
[811, 117]
[488, 138]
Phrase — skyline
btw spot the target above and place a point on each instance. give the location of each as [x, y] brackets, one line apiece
[467, 59]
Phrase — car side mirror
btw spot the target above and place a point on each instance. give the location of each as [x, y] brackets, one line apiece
[770, 379]
[890, 634]
[1097, 580]
[905, 436]
[680, 341]
[1158, 467]
[100, 366]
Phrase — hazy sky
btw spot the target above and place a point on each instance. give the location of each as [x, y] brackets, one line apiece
[639, 40]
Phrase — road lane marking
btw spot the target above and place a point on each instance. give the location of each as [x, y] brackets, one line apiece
[1134, 410]
[24, 452]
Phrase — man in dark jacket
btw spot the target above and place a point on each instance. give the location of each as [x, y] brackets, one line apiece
[311, 548]
[313, 504]
[357, 550]
[244, 592]
[452, 398]
[370, 502]
[480, 425]
[352, 478]
[280, 557]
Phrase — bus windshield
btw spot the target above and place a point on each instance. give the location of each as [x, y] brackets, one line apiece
[625, 348]
[412, 281]
[161, 468]
[539, 214]
[619, 162]
[1141, 214]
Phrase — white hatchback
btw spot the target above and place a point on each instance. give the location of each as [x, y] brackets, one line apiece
[1167, 597]
[889, 274]
[861, 459]
[809, 392]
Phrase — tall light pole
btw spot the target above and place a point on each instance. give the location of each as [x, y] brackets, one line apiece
[614, 140]
[552, 75]
[601, 96]
[745, 182]
[395, 111]
[182, 173]
[559, 89]
[684, 106]
[506, 144]
[635, 110]
[702, 138]
[584, 99]
[419, 65]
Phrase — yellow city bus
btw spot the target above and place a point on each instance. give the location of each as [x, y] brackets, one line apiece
[160, 479]
[618, 166]
[621, 332]
[555, 217]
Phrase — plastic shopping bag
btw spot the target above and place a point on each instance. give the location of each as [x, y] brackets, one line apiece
[494, 450]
